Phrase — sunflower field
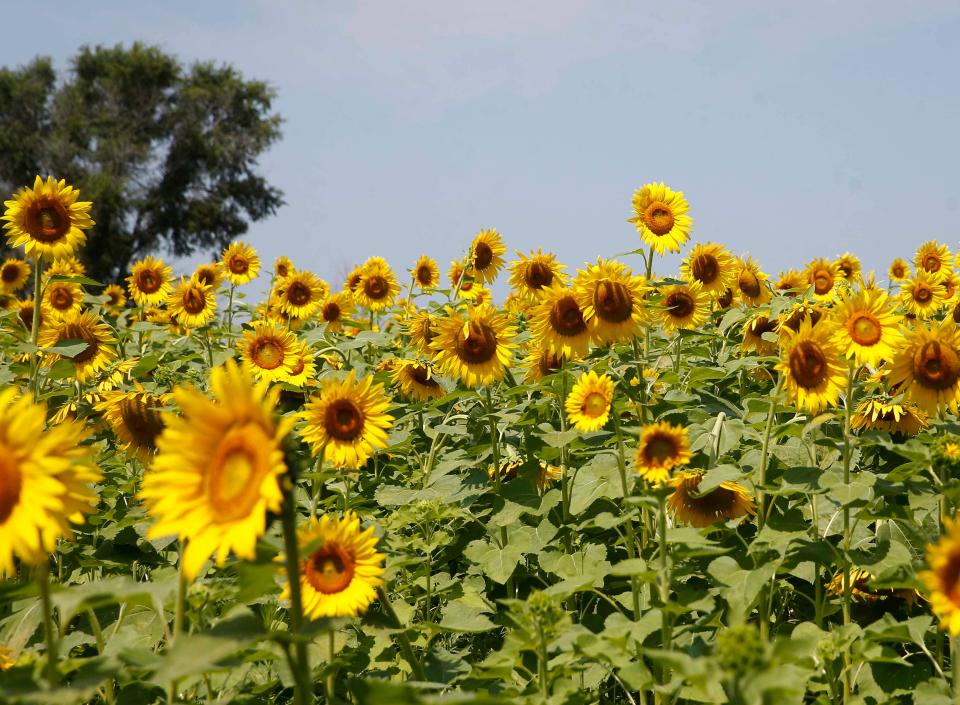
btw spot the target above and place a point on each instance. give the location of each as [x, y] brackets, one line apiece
[616, 485]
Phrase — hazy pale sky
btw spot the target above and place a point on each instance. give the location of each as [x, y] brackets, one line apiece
[795, 129]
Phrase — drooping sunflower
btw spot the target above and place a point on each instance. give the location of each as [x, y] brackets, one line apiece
[661, 448]
[282, 267]
[811, 362]
[269, 349]
[612, 300]
[217, 469]
[923, 294]
[347, 421]
[751, 283]
[477, 349]
[300, 294]
[63, 297]
[46, 474]
[486, 255]
[14, 273]
[47, 220]
[417, 380]
[193, 303]
[85, 327]
[426, 273]
[933, 258]
[135, 419]
[885, 415]
[866, 327]
[149, 282]
[377, 287]
[712, 265]
[822, 275]
[340, 575]
[753, 331]
[861, 591]
[684, 306]
[791, 283]
[589, 403]
[661, 217]
[540, 361]
[240, 262]
[303, 371]
[726, 299]
[530, 273]
[335, 309]
[210, 273]
[800, 311]
[460, 274]
[899, 270]
[116, 299]
[730, 500]
[926, 366]
[557, 322]
[943, 559]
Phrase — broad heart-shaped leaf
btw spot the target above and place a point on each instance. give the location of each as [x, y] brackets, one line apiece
[740, 587]
[858, 492]
[67, 348]
[580, 570]
[496, 563]
[114, 590]
[458, 616]
[599, 478]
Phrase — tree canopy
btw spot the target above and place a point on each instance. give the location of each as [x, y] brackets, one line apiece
[166, 152]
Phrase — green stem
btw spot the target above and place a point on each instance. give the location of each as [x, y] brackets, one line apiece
[564, 461]
[847, 456]
[108, 691]
[49, 629]
[649, 260]
[35, 324]
[406, 648]
[302, 687]
[664, 580]
[331, 680]
[230, 310]
[631, 535]
[955, 662]
[495, 446]
[764, 454]
[542, 659]
[178, 611]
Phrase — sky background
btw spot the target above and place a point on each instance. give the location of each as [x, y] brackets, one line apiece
[796, 130]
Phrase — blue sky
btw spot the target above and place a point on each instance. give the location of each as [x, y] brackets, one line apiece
[796, 130]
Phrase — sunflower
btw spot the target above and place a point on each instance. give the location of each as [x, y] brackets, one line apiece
[726, 299]
[866, 327]
[269, 349]
[812, 366]
[943, 559]
[861, 591]
[426, 273]
[530, 273]
[47, 220]
[85, 327]
[822, 275]
[684, 306]
[46, 475]
[661, 217]
[417, 380]
[135, 419]
[335, 309]
[662, 447]
[796, 314]
[347, 421]
[210, 273]
[712, 265]
[753, 331]
[558, 323]
[25, 313]
[848, 266]
[729, 500]
[352, 280]
[217, 469]
[14, 273]
[67, 267]
[486, 255]
[884, 415]
[926, 367]
[63, 297]
[951, 283]
[589, 403]
[791, 283]
[923, 294]
[193, 303]
[899, 270]
[477, 349]
[240, 263]
[282, 267]
[421, 326]
[157, 314]
[116, 299]
[612, 300]
[149, 282]
[460, 274]
[541, 361]
[301, 293]
[340, 575]
[377, 287]
[933, 258]
[751, 283]
[303, 371]
[510, 470]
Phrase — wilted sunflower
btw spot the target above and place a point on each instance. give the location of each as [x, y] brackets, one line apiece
[661, 217]
[539, 362]
[346, 421]
[426, 273]
[149, 282]
[684, 306]
[884, 415]
[661, 448]
[822, 275]
[85, 327]
[866, 327]
[217, 469]
[751, 283]
[301, 293]
[899, 270]
[486, 255]
[135, 419]
[269, 349]
[335, 309]
[417, 380]
[240, 263]
[589, 402]
[63, 297]
[116, 299]
[47, 220]
[712, 265]
[812, 366]
[753, 331]
[377, 287]
[943, 576]
[210, 273]
[282, 267]
[848, 266]
[530, 273]
[612, 300]
[923, 294]
[729, 500]
[340, 577]
[46, 475]
[791, 283]
[933, 258]
[557, 322]
[926, 366]
[303, 370]
[477, 349]
[193, 303]
[13, 275]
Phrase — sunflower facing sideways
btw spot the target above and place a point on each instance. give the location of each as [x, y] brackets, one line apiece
[282, 267]
[426, 273]
[135, 419]
[531, 273]
[346, 421]
[812, 365]
[926, 366]
[754, 330]
[217, 469]
[729, 500]
[540, 361]
[923, 294]
[791, 283]
[13, 275]
[882, 414]
[867, 329]
[47, 220]
[210, 273]
[661, 217]
[943, 559]
[240, 263]
[557, 322]
[303, 370]
[751, 283]
[486, 255]
[269, 349]
[662, 447]
[849, 267]
[46, 478]
[612, 300]
[149, 282]
[193, 303]
[476, 349]
[417, 380]
[712, 266]
[684, 306]
[589, 403]
[462, 281]
[341, 574]
[87, 328]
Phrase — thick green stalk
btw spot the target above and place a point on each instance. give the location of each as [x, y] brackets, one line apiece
[666, 635]
[331, 680]
[631, 535]
[542, 661]
[49, 628]
[955, 661]
[495, 447]
[35, 324]
[178, 611]
[764, 455]
[406, 648]
[564, 463]
[230, 310]
[847, 456]
[302, 692]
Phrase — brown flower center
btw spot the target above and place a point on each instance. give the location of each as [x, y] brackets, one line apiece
[239, 264]
[61, 297]
[659, 218]
[424, 275]
[749, 284]
[705, 268]
[808, 364]
[822, 281]
[725, 299]
[956, 313]
[331, 312]
[148, 281]
[594, 405]
[375, 287]
[329, 569]
[113, 297]
[267, 353]
[658, 449]
[482, 256]
[566, 318]
[142, 421]
[10, 273]
[763, 325]
[237, 470]
[922, 293]
[299, 294]
[538, 275]
[11, 482]
[282, 270]
[47, 220]
[936, 366]
[864, 328]
[679, 304]
[421, 375]
[343, 420]
[207, 275]
[479, 345]
[932, 263]
[612, 302]
[194, 301]
[549, 362]
[75, 331]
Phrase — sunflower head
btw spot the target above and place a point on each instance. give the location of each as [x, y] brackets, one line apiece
[590, 401]
[612, 299]
[684, 306]
[924, 294]
[531, 273]
[63, 297]
[417, 380]
[301, 293]
[753, 332]
[822, 275]
[426, 273]
[729, 500]
[377, 287]
[751, 283]
[866, 327]
[712, 266]
[210, 273]
[662, 448]
[942, 577]
[926, 367]
[13, 275]
[282, 267]
[899, 270]
[660, 215]
[193, 303]
[135, 419]
[47, 220]
[477, 349]
[335, 309]
[240, 263]
[848, 266]
[933, 258]
[116, 299]
[791, 283]
[558, 322]
[269, 349]
[81, 328]
[486, 255]
[149, 281]
[811, 363]
[540, 362]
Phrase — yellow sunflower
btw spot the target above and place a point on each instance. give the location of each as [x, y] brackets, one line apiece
[193, 303]
[822, 275]
[217, 469]
[729, 500]
[477, 349]
[282, 267]
[25, 313]
[210, 273]
[149, 282]
[867, 329]
[14, 273]
[135, 419]
[540, 361]
[726, 299]
[47, 220]
[377, 287]
[796, 314]
[589, 403]
[884, 415]
[63, 297]
[421, 326]
[459, 274]
[116, 299]
[661, 217]
[426, 273]
[661, 448]
[684, 306]
[753, 331]
[923, 295]
[303, 371]
[899, 270]
[791, 283]
[240, 263]
[751, 283]
[926, 366]
[486, 255]
[612, 300]
[301, 293]
[530, 273]
[335, 309]
[352, 280]
[341, 574]
[67, 267]
[269, 349]
[933, 258]
[46, 475]
[812, 366]
[943, 576]
[712, 266]
[85, 327]
[417, 381]
[557, 322]
[347, 421]
[848, 266]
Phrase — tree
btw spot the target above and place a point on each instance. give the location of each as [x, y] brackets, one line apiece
[167, 153]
